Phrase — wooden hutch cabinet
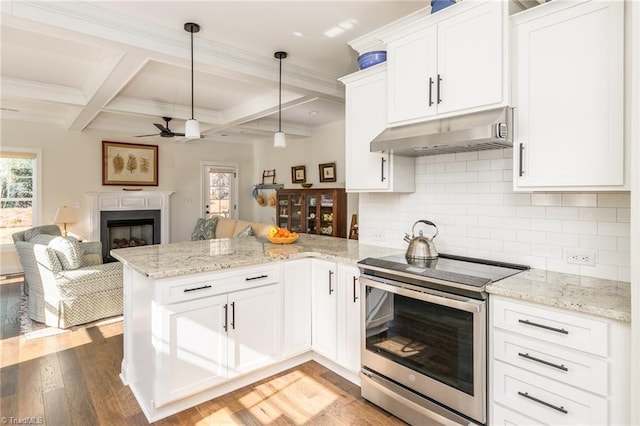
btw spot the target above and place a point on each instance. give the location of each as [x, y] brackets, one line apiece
[313, 211]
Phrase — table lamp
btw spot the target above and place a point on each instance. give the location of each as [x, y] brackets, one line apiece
[64, 215]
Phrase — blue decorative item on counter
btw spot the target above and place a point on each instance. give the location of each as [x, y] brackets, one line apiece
[371, 58]
[437, 5]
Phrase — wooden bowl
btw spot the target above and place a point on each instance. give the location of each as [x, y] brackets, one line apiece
[281, 240]
[306, 185]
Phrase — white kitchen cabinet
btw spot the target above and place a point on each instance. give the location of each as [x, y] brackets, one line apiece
[349, 317]
[336, 313]
[325, 309]
[297, 307]
[365, 118]
[192, 352]
[550, 366]
[450, 62]
[205, 342]
[568, 82]
[254, 329]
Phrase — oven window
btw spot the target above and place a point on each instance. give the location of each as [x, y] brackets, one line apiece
[428, 338]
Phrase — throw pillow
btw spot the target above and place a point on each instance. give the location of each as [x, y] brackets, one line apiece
[68, 251]
[205, 229]
[246, 232]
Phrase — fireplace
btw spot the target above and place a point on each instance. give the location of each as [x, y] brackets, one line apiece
[134, 216]
[128, 228]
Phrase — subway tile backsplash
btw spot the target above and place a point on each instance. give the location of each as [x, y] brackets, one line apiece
[469, 196]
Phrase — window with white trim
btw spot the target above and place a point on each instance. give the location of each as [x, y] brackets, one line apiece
[18, 192]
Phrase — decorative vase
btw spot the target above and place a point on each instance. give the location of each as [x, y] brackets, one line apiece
[437, 5]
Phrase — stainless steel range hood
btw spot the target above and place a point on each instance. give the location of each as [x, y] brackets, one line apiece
[471, 132]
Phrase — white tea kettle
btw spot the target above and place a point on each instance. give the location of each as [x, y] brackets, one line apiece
[421, 247]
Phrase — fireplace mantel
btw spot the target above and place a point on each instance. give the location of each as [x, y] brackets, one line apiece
[138, 200]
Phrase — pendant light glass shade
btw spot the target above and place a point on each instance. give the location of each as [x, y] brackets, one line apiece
[192, 126]
[192, 129]
[279, 138]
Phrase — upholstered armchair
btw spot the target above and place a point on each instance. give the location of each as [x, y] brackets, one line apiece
[68, 283]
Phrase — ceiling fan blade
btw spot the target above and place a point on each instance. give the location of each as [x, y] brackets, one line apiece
[161, 127]
[178, 134]
[144, 136]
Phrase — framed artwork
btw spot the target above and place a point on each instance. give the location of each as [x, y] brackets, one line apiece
[129, 164]
[327, 172]
[298, 174]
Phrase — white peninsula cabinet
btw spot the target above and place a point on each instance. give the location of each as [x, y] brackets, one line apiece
[366, 118]
[568, 82]
[550, 366]
[297, 307]
[336, 314]
[451, 61]
[189, 334]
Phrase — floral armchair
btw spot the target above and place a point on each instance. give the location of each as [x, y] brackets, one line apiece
[67, 281]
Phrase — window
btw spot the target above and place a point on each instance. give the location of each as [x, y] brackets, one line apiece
[19, 189]
[219, 191]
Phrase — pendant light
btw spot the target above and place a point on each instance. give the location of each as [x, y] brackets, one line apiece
[279, 139]
[192, 126]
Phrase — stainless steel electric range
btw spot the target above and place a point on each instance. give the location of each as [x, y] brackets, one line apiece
[424, 336]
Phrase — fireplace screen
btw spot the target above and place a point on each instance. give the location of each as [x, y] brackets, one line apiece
[132, 228]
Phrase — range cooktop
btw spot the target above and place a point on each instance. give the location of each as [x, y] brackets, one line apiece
[456, 271]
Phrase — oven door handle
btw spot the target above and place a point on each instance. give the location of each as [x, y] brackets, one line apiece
[464, 304]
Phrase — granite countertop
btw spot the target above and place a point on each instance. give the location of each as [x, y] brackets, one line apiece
[595, 296]
[606, 298]
[190, 257]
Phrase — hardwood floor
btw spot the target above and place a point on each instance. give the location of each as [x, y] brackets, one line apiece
[72, 379]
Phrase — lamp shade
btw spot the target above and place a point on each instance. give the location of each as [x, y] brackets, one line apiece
[64, 214]
[192, 129]
[279, 140]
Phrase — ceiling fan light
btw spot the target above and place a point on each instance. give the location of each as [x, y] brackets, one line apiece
[279, 140]
[192, 129]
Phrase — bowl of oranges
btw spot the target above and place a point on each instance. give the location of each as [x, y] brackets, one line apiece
[281, 236]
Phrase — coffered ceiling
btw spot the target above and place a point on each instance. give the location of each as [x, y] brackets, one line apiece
[122, 65]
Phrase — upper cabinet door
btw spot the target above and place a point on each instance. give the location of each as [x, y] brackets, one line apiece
[568, 91]
[412, 76]
[470, 59]
[451, 65]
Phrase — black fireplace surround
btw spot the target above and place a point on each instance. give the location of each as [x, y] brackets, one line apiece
[128, 228]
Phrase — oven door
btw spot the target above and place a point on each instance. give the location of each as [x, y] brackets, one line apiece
[432, 343]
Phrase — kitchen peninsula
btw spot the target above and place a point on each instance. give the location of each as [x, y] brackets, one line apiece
[203, 318]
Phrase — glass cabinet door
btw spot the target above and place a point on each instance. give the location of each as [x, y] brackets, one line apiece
[283, 211]
[296, 220]
[326, 214]
[312, 213]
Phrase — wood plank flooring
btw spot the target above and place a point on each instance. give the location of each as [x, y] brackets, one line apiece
[72, 379]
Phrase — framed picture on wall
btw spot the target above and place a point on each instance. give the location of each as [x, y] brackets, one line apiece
[298, 174]
[327, 172]
[129, 164]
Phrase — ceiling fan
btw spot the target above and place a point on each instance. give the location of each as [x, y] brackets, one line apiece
[165, 131]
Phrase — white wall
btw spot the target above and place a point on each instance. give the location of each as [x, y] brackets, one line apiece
[469, 197]
[325, 145]
[72, 166]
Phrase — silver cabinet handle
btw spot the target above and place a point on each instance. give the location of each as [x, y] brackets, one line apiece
[330, 287]
[233, 315]
[382, 178]
[430, 91]
[546, 404]
[542, 361]
[439, 81]
[546, 327]
[355, 298]
[521, 160]
[186, 290]
[256, 278]
[226, 319]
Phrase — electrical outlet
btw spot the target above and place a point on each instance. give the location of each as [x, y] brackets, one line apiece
[377, 236]
[581, 257]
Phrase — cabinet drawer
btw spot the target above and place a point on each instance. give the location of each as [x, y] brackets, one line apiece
[574, 331]
[181, 289]
[582, 371]
[502, 416]
[544, 400]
